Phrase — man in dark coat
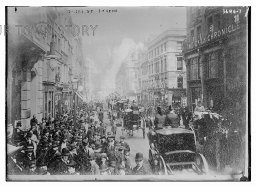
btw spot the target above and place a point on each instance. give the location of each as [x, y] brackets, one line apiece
[124, 144]
[127, 162]
[139, 168]
[101, 115]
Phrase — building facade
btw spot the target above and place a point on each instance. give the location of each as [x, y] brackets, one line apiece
[215, 53]
[126, 79]
[40, 64]
[216, 56]
[163, 72]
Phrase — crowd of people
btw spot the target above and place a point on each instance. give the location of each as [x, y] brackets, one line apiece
[75, 143]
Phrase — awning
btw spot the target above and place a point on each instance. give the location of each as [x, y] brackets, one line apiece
[80, 96]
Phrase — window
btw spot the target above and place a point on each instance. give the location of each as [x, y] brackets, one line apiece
[210, 24]
[192, 36]
[179, 63]
[199, 33]
[157, 67]
[193, 13]
[165, 64]
[180, 82]
[198, 12]
[212, 65]
[231, 63]
[162, 69]
[164, 47]
[179, 45]
[194, 69]
[217, 21]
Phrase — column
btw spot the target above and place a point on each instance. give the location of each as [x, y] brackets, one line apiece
[26, 100]
[39, 98]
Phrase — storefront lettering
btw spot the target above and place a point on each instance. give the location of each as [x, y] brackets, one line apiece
[216, 34]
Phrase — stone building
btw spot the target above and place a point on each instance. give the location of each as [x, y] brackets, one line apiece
[126, 79]
[40, 56]
[216, 56]
[163, 70]
[215, 52]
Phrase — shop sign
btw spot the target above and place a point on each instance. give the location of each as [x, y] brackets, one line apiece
[215, 35]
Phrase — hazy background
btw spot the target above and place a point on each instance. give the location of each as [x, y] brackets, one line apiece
[120, 31]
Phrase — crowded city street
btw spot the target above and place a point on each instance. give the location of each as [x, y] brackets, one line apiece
[162, 96]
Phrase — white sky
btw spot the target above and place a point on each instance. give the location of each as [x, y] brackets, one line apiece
[117, 32]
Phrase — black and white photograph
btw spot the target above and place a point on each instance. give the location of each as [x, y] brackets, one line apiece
[140, 93]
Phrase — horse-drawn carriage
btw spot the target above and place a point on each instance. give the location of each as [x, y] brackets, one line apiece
[132, 121]
[173, 151]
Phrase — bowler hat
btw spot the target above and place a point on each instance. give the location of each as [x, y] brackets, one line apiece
[65, 152]
[122, 137]
[112, 137]
[139, 157]
[120, 148]
[104, 155]
[103, 137]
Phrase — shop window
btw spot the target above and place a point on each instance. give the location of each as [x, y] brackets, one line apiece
[180, 82]
[179, 63]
